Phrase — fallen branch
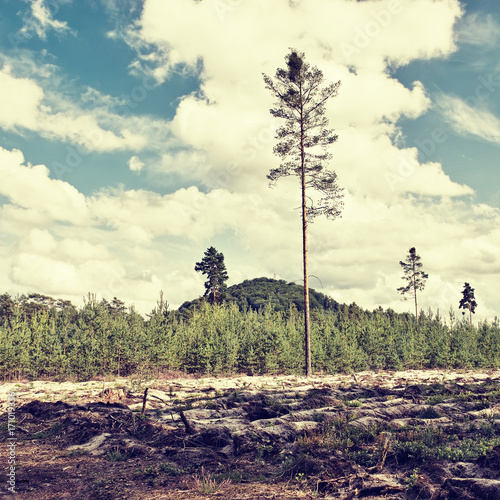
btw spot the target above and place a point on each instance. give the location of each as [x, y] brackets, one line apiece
[116, 420]
[156, 397]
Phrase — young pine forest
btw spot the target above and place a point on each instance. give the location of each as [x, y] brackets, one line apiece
[257, 329]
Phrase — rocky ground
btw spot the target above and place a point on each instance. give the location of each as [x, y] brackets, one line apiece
[414, 434]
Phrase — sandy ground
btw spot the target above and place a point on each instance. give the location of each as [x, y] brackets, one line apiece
[162, 390]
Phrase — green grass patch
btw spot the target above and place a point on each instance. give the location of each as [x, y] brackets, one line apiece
[170, 469]
[116, 456]
[420, 445]
[428, 413]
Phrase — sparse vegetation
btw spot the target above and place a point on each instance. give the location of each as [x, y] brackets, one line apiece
[429, 412]
[170, 469]
[116, 456]
[207, 484]
[412, 479]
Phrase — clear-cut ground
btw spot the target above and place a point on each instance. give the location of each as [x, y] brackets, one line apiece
[412, 434]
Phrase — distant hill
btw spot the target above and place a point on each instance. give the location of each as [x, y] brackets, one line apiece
[280, 294]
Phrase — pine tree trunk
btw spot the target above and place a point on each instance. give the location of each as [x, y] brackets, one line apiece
[307, 321]
[415, 291]
[416, 307]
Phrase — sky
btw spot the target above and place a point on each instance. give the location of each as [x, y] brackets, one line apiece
[136, 134]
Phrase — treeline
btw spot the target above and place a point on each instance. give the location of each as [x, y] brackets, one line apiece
[43, 337]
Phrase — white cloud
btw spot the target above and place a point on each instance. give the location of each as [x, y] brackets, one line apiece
[41, 20]
[44, 273]
[39, 239]
[30, 189]
[466, 119]
[135, 164]
[358, 33]
[478, 29]
[49, 264]
[369, 164]
[140, 216]
[27, 106]
[19, 99]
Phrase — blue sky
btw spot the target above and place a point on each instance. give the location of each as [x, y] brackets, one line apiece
[135, 134]
[472, 73]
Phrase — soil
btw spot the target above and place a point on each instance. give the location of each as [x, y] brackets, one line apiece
[414, 434]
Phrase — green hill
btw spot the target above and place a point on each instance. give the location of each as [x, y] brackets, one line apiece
[256, 293]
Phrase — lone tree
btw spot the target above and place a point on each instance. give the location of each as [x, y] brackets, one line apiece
[213, 266]
[468, 301]
[414, 277]
[302, 146]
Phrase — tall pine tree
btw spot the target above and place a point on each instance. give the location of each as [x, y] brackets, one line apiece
[302, 146]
